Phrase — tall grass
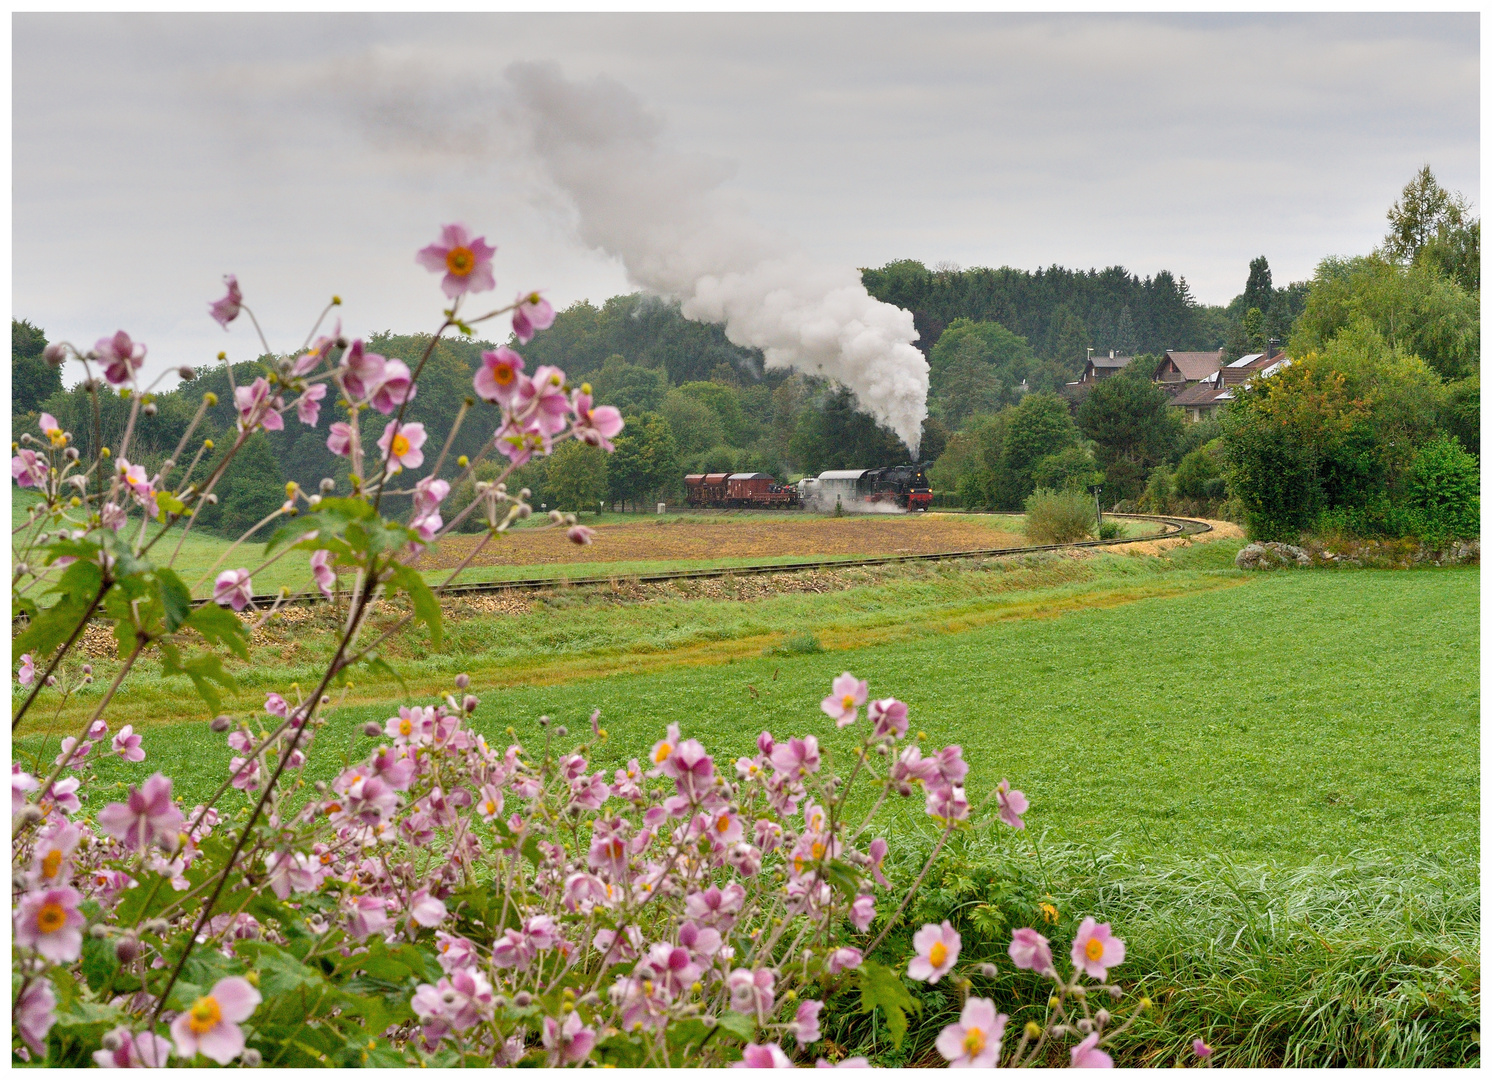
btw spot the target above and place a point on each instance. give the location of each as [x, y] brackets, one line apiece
[1059, 517]
[1368, 959]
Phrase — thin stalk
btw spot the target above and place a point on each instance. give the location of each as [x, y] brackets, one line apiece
[57, 659]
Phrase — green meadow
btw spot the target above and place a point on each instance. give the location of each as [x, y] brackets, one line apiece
[1269, 782]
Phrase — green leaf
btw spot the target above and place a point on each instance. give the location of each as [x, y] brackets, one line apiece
[426, 606]
[204, 670]
[740, 1025]
[374, 662]
[176, 599]
[332, 517]
[843, 877]
[79, 586]
[882, 987]
[219, 626]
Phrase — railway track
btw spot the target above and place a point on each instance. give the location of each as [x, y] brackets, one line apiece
[1170, 527]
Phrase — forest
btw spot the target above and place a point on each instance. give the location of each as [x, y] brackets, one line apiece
[1399, 324]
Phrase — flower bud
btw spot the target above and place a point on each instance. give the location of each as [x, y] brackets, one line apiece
[469, 703]
[463, 461]
[187, 372]
[126, 949]
[211, 498]
[1145, 1003]
[98, 930]
[111, 1041]
[1085, 1026]
[989, 971]
[51, 680]
[372, 730]
[150, 409]
[523, 999]
[156, 926]
[28, 813]
[449, 997]
[1115, 993]
[71, 454]
[1033, 1029]
[1053, 1001]
[1102, 1016]
[562, 731]
[87, 669]
[463, 681]
[210, 398]
[543, 721]
[252, 1058]
[55, 354]
[221, 724]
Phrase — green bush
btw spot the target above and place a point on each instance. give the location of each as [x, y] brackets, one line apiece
[1444, 482]
[1059, 517]
[1109, 530]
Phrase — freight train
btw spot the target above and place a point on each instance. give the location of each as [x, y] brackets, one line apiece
[901, 486]
[739, 491]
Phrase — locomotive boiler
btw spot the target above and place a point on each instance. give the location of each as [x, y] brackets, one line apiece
[903, 486]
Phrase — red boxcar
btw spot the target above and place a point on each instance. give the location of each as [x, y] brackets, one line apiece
[738, 491]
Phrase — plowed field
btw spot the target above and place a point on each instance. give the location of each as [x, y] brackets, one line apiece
[733, 538]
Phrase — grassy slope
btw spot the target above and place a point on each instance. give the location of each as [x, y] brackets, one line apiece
[1189, 717]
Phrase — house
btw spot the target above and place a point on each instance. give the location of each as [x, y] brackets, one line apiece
[1101, 367]
[1181, 369]
[1204, 398]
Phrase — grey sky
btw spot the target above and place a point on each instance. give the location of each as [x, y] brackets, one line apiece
[315, 154]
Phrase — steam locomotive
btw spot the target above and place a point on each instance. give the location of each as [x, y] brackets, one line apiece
[903, 486]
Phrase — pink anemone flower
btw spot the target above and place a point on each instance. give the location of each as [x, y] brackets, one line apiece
[466, 261]
[321, 570]
[49, 922]
[120, 356]
[1087, 1055]
[1096, 949]
[766, 1056]
[403, 446]
[28, 469]
[134, 1051]
[394, 389]
[339, 441]
[227, 309]
[35, 1012]
[1012, 805]
[596, 425]
[974, 1042]
[148, 816]
[1031, 951]
[308, 405]
[531, 314]
[27, 675]
[233, 588]
[567, 1042]
[499, 377]
[210, 1026]
[127, 744]
[843, 704]
[937, 951]
[257, 407]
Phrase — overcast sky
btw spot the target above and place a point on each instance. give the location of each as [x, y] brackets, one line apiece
[315, 154]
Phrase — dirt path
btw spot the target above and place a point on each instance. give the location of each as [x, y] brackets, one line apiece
[753, 537]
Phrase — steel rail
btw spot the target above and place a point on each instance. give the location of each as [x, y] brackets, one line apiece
[1171, 527]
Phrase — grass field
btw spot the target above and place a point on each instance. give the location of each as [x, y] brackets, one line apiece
[1269, 782]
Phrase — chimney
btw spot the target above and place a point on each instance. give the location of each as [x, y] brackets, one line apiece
[1111, 354]
[1273, 350]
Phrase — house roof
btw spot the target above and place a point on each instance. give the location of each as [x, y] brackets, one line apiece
[1194, 365]
[1201, 394]
[1110, 361]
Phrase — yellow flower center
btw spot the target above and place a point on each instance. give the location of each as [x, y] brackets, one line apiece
[405, 727]
[938, 954]
[51, 918]
[1094, 949]
[503, 374]
[205, 1015]
[399, 446]
[818, 850]
[848, 701]
[50, 863]
[490, 806]
[460, 261]
[56, 436]
[722, 824]
[974, 1042]
[662, 754]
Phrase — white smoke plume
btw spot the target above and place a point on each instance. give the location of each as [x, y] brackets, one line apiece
[664, 216]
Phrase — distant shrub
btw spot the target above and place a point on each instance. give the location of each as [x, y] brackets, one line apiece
[1059, 517]
[1109, 530]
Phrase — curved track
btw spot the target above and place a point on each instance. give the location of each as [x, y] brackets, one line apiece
[1170, 527]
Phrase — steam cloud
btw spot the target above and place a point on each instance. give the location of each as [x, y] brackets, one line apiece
[662, 214]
